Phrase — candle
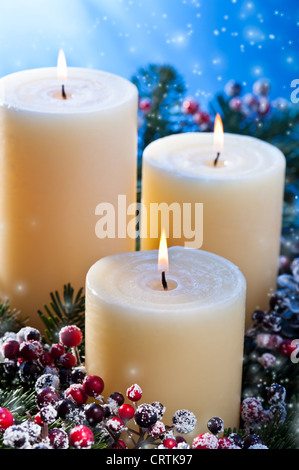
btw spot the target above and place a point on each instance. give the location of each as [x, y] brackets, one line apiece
[242, 196]
[68, 143]
[182, 345]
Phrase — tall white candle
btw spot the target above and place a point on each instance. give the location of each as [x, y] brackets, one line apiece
[60, 157]
[242, 200]
[183, 346]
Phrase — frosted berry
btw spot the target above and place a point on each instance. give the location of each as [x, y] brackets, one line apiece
[267, 360]
[70, 336]
[47, 380]
[287, 347]
[58, 438]
[215, 425]
[81, 437]
[6, 419]
[272, 322]
[251, 440]
[170, 443]
[126, 412]
[11, 349]
[94, 413]
[134, 393]
[276, 394]
[48, 414]
[261, 87]
[184, 421]
[279, 412]
[46, 396]
[38, 420]
[65, 408]
[145, 415]
[46, 359]
[201, 117]
[93, 385]
[31, 350]
[205, 441]
[157, 429]
[251, 409]
[57, 350]
[190, 106]
[258, 317]
[28, 371]
[28, 333]
[225, 443]
[236, 439]
[115, 424]
[159, 408]
[117, 397]
[16, 437]
[78, 375]
[233, 88]
[76, 393]
[236, 104]
[67, 360]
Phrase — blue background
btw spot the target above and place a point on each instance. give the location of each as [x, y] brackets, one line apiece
[207, 41]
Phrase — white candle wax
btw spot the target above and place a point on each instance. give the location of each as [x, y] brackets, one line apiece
[242, 200]
[60, 158]
[184, 345]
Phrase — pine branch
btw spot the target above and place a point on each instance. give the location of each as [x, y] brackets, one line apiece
[69, 310]
[10, 320]
[18, 402]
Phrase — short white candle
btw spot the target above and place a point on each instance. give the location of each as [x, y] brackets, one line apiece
[60, 158]
[183, 345]
[242, 200]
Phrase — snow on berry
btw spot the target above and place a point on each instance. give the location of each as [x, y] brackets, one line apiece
[70, 336]
[48, 414]
[31, 350]
[134, 393]
[205, 441]
[157, 429]
[33, 429]
[184, 421]
[76, 393]
[251, 409]
[16, 437]
[276, 394]
[58, 438]
[225, 443]
[159, 408]
[115, 424]
[93, 386]
[47, 380]
[215, 425]
[81, 437]
[145, 415]
[267, 360]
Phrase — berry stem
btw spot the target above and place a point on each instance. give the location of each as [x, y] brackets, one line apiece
[77, 355]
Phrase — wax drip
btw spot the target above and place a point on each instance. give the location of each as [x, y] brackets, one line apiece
[64, 96]
[216, 159]
[164, 282]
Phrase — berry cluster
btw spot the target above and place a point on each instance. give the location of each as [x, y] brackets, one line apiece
[254, 414]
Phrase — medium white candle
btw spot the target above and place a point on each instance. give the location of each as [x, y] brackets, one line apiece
[242, 200]
[181, 345]
[60, 158]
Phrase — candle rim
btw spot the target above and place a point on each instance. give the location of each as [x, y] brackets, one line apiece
[172, 308]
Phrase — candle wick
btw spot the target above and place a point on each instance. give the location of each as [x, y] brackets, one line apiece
[216, 159]
[164, 282]
[64, 95]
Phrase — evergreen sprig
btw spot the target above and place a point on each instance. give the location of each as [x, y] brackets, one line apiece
[10, 319]
[66, 310]
[18, 401]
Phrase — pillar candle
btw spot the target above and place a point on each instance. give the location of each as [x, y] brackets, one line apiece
[242, 199]
[60, 157]
[183, 346]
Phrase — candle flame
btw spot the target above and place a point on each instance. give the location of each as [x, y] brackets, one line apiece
[163, 253]
[218, 134]
[61, 66]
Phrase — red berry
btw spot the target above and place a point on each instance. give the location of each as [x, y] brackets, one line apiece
[287, 347]
[58, 438]
[81, 437]
[120, 444]
[201, 118]
[225, 443]
[57, 350]
[31, 350]
[6, 419]
[190, 106]
[134, 393]
[11, 349]
[93, 385]
[77, 394]
[170, 443]
[38, 420]
[145, 105]
[70, 336]
[251, 409]
[46, 359]
[205, 441]
[126, 412]
[157, 429]
[67, 360]
[115, 424]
